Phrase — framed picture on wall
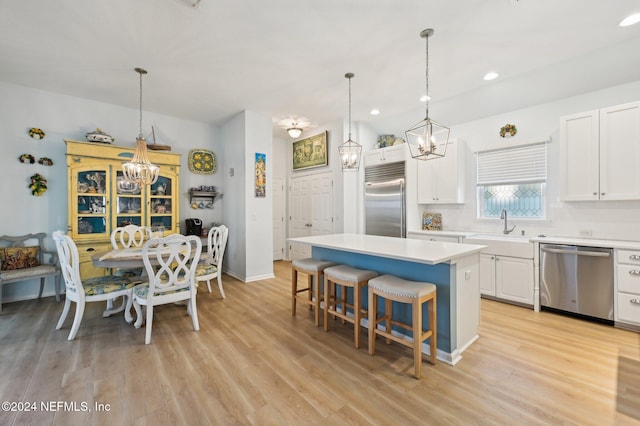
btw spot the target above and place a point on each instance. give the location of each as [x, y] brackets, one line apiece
[261, 175]
[310, 152]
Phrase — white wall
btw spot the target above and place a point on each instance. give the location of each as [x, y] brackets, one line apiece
[353, 195]
[249, 218]
[603, 219]
[335, 134]
[259, 211]
[65, 117]
[234, 182]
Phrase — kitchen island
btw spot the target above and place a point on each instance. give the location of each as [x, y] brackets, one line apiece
[452, 267]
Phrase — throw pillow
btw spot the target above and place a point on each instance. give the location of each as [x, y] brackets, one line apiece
[19, 257]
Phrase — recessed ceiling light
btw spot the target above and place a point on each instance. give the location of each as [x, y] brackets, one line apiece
[630, 20]
[425, 98]
[491, 76]
[375, 111]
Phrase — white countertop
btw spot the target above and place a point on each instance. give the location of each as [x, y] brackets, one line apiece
[420, 251]
[578, 241]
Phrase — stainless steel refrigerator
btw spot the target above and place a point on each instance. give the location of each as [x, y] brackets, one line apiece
[384, 192]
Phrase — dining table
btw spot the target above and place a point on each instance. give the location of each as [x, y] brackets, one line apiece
[125, 258]
[119, 258]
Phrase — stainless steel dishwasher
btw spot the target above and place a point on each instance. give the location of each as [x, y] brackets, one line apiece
[578, 280]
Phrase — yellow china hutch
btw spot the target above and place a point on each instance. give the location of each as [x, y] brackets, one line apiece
[101, 200]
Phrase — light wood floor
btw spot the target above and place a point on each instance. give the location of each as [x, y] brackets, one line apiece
[253, 363]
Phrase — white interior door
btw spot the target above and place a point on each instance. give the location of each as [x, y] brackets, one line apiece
[322, 204]
[299, 215]
[310, 209]
[278, 219]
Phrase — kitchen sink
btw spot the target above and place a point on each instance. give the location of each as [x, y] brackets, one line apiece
[503, 244]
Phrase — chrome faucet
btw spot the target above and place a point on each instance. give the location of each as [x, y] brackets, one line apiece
[506, 230]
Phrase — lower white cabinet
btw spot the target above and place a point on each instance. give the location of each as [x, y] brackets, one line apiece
[507, 278]
[627, 299]
[488, 275]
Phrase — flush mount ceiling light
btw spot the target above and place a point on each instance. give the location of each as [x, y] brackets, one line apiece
[427, 139]
[350, 150]
[140, 170]
[294, 131]
[491, 76]
[630, 20]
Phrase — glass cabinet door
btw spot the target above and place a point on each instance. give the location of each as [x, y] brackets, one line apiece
[161, 208]
[90, 202]
[128, 202]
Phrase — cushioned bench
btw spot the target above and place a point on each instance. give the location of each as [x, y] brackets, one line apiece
[22, 258]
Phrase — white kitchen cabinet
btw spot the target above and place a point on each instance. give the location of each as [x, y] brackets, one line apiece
[627, 309]
[514, 279]
[507, 278]
[599, 154]
[441, 180]
[390, 154]
[488, 275]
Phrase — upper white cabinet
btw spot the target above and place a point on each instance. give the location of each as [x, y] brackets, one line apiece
[600, 153]
[390, 154]
[441, 180]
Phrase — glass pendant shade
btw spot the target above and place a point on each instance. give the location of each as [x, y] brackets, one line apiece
[140, 170]
[427, 139]
[294, 132]
[350, 150]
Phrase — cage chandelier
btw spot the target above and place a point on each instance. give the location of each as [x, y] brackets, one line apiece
[350, 150]
[427, 139]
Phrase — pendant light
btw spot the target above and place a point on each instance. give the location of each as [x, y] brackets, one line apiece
[427, 139]
[350, 150]
[140, 170]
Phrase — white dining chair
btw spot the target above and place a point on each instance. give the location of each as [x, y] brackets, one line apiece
[129, 236]
[98, 289]
[210, 265]
[171, 280]
[126, 237]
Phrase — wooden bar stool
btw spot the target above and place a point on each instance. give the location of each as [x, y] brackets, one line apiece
[346, 276]
[313, 268]
[394, 289]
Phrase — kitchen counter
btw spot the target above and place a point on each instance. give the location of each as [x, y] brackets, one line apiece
[580, 241]
[452, 267]
[429, 252]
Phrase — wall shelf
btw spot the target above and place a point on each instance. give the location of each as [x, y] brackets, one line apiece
[203, 194]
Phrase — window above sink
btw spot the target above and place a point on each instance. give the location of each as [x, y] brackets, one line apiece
[512, 179]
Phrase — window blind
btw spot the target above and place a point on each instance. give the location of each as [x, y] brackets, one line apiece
[523, 164]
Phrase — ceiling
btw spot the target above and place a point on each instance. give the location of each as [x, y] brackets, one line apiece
[287, 58]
